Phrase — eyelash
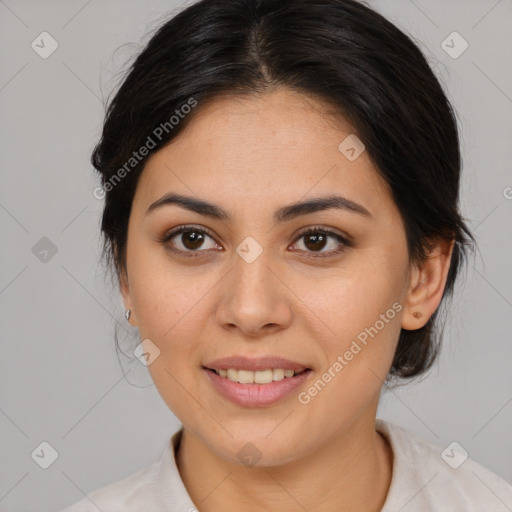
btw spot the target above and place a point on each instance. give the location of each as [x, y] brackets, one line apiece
[311, 254]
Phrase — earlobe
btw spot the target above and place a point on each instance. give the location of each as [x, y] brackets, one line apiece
[125, 292]
[427, 284]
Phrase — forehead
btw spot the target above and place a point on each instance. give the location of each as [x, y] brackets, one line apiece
[274, 148]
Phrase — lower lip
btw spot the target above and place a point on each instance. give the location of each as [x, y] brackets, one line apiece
[256, 395]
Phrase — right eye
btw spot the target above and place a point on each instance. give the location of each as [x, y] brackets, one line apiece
[191, 239]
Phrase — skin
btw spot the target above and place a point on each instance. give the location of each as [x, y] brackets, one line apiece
[252, 155]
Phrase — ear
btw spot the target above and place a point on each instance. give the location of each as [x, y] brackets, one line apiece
[426, 285]
[124, 287]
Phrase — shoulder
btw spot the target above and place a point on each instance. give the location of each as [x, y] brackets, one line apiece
[428, 477]
[123, 495]
[157, 487]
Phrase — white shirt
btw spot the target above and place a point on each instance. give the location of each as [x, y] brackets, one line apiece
[421, 482]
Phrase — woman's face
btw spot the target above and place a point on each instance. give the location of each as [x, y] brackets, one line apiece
[253, 285]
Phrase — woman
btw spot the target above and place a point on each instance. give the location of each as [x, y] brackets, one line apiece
[281, 188]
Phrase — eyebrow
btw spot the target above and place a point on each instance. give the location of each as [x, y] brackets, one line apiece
[284, 214]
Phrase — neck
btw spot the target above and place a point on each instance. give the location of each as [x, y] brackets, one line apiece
[350, 472]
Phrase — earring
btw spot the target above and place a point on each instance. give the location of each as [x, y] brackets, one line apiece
[127, 314]
[417, 314]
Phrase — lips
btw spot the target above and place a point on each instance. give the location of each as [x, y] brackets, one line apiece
[255, 364]
[257, 394]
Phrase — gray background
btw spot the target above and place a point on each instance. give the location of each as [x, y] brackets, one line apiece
[61, 381]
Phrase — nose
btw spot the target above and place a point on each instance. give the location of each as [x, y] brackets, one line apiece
[253, 298]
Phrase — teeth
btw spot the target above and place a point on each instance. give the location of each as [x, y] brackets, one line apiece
[255, 377]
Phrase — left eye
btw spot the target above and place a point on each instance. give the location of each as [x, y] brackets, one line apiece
[317, 239]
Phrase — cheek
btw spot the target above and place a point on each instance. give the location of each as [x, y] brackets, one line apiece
[354, 298]
[166, 298]
[172, 318]
[356, 358]
[357, 323]
[171, 314]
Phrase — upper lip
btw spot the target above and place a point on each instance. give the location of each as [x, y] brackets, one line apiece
[255, 364]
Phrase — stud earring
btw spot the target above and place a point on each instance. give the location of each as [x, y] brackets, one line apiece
[127, 314]
[417, 314]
